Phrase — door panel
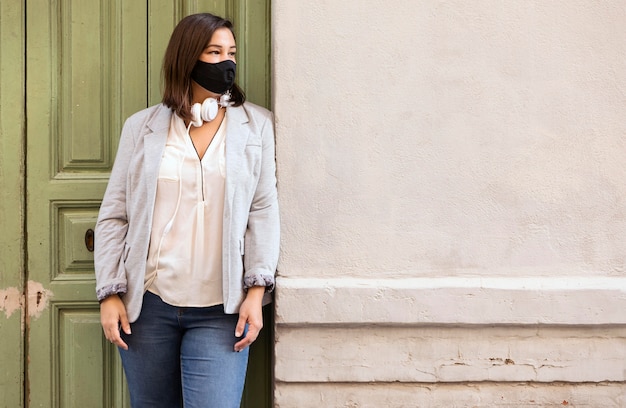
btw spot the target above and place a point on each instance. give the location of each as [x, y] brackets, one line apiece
[90, 64]
[86, 71]
[252, 19]
[12, 203]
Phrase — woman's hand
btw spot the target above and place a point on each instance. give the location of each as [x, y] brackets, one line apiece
[112, 317]
[250, 312]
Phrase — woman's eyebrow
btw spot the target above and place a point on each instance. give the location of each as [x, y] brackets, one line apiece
[219, 46]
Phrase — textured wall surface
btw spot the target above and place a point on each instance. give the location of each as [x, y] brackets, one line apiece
[427, 149]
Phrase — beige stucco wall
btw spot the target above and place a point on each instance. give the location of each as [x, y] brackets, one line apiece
[446, 165]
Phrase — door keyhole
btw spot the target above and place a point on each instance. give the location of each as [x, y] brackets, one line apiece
[89, 238]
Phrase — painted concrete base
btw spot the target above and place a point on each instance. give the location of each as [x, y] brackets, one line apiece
[565, 300]
[451, 342]
[466, 395]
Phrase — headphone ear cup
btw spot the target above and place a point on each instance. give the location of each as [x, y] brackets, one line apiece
[209, 109]
[196, 117]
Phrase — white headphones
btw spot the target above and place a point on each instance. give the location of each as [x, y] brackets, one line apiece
[207, 111]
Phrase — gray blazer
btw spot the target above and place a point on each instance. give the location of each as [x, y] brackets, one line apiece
[251, 218]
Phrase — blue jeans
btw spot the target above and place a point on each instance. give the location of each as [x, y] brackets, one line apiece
[183, 357]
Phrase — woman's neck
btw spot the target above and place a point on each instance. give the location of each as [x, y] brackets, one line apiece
[199, 94]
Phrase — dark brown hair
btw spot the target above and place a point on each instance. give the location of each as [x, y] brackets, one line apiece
[188, 41]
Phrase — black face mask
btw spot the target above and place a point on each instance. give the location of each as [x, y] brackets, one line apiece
[217, 78]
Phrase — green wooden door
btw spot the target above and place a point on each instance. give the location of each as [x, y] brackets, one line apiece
[85, 72]
[89, 65]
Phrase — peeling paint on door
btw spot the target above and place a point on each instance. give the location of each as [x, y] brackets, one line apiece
[38, 298]
[12, 299]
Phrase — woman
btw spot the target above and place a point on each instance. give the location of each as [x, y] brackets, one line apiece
[188, 230]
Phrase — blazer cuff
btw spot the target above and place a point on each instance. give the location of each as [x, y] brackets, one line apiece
[114, 289]
[259, 280]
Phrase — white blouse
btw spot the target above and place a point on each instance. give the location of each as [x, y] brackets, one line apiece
[185, 256]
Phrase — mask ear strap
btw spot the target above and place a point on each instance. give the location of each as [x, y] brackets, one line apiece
[225, 99]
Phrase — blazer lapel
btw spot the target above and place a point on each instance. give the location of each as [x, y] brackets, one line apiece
[237, 131]
[154, 145]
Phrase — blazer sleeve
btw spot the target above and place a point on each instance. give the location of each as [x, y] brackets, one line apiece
[262, 239]
[112, 224]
